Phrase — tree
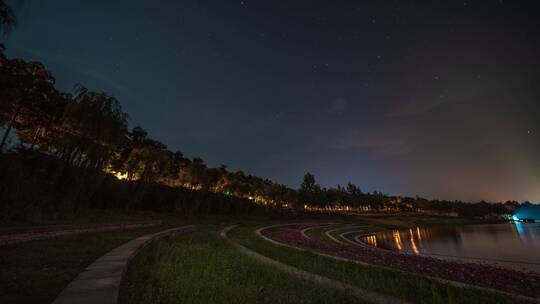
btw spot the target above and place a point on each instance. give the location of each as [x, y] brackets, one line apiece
[224, 178]
[151, 163]
[43, 118]
[176, 162]
[26, 89]
[309, 191]
[308, 183]
[148, 160]
[7, 18]
[353, 189]
[197, 173]
[93, 129]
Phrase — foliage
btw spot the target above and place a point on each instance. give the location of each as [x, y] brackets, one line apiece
[33, 184]
[28, 95]
[7, 18]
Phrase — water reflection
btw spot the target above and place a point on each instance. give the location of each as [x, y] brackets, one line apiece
[512, 243]
[410, 240]
[519, 229]
[371, 240]
[413, 243]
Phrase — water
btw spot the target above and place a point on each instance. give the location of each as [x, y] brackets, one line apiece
[512, 245]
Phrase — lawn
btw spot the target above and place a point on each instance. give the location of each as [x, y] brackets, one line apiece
[36, 272]
[203, 268]
[408, 286]
[319, 233]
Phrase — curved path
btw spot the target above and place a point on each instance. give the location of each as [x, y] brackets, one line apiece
[100, 282]
[344, 238]
[355, 239]
[19, 235]
[363, 294]
[304, 231]
[328, 233]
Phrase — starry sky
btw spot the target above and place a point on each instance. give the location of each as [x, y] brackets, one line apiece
[433, 98]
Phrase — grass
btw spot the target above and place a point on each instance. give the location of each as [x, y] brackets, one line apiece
[36, 272]
[319, 233]
[408, 286]
[204, 268]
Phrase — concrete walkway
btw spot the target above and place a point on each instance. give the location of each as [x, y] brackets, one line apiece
[100, 282]
[20, 235]
[363, 294]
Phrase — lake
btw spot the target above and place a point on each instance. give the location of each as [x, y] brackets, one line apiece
[512, 245]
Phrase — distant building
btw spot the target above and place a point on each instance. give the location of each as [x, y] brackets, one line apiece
[527, 213]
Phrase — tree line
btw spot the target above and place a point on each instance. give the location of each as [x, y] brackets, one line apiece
[89, 130]
[86, 133]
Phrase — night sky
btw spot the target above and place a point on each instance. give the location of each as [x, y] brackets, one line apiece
[433, 98]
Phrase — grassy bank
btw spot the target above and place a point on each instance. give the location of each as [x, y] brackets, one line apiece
[408, 286]
[319, 233]
[203, 268]
[36, 272]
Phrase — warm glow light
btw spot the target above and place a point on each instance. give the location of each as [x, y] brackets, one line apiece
[372, 240]
[121, 175]
[413, 244]
[397, 240]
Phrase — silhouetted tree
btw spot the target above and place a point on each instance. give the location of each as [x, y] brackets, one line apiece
[7, 18]
[93, 129]
[26, 90]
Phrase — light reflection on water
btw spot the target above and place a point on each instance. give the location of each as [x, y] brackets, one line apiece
[515, 245]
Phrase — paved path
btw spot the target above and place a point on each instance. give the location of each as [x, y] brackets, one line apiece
[100, 282]
[13, 236]
[333, 238]
[353, 290]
